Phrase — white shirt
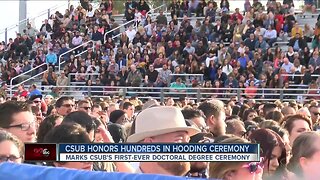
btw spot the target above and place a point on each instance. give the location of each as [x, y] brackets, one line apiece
[138, 16]
[77, 40]
[214, 58]
[270, 34]
[90, 13]
[131, 34]
[241, 49]
[226, 70]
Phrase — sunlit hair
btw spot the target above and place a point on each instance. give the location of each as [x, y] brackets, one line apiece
[267, 123]
[289, 120]
[219, 170]
[303, 146]
[6, 136]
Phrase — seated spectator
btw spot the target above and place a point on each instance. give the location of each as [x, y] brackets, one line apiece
[151, 76]
[270, 35]
[250, 42]
[251, 90]
[314, 59]
[178, 86]
[255, 81]
[21, 92]
[261, 43]
[296, 30]
[161, 19]
[51, 58]
[287, 65]
[134, 78]
[49, 77]
[308, 33]
[297, 42]
[164, 77]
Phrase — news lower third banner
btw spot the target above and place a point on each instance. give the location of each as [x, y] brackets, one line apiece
[142, 152]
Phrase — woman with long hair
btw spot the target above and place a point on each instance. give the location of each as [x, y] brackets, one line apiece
[273, 152]
[235, 170]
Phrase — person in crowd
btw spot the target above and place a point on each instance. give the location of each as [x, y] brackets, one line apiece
[22, 92]
[17, 118]
[83, 119]
[167, 126]
[69, 133]
[305, 156]
[64, 106]
[215, 116]
[33, 90]
[199, 169]
[235, 127]
[11, 148]
[249, 115]
[85, 106]
[273, 151]
[46, 125]
[118, 132]
[296, 125]
[236, 170]
[128, 108]
[118, 117]
[288, 110]
[315, 114]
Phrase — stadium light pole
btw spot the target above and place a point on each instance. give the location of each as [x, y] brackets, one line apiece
[22, 14]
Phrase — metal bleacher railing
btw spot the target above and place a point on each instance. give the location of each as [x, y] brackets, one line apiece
[196, 93]
[24, 22]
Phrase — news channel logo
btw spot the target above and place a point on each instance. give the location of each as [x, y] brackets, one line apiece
[40, 152]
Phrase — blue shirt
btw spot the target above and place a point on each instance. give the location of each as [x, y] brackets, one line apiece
[35, 92]
[243, 62]
[51, 58]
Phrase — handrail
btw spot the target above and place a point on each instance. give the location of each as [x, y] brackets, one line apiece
[300, 75]
[196, 93]
[87, 74]
[11, 81]
[32, 77]
[59, 60]
[24, 21]
[105, 35]
[196, 88]
[108, 32]
[122, 25]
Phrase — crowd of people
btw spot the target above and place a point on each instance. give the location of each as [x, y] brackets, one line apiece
[287, 133]
[231, 49]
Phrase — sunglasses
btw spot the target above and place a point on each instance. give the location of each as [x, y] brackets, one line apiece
[316, 113]
[254, 166]
[86, 108]
[68, 105]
